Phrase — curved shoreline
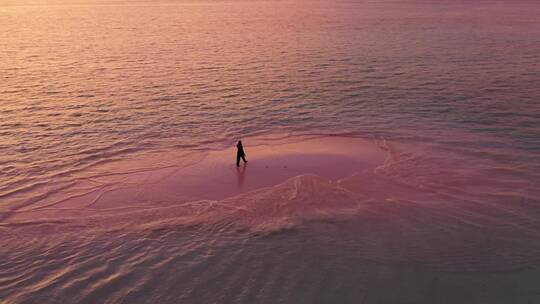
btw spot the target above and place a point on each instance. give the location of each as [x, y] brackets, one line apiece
[162, 179]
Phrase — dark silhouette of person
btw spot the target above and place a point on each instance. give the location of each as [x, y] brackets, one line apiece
[240, 153]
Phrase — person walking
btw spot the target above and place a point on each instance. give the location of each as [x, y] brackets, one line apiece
[240, 153]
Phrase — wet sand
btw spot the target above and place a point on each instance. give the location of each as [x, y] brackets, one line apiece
[169, 178]
[306, 220]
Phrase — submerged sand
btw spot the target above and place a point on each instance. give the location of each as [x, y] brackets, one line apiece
[306, 220]
[167, 178]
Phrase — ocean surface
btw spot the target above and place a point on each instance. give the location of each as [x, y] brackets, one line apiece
[450, 90]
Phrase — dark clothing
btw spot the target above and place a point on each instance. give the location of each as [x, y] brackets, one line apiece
[240, 154]
[240, 149]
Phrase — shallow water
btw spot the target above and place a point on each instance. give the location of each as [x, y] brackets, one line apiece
[448, 91]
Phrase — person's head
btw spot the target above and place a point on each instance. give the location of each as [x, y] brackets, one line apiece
[240, 142]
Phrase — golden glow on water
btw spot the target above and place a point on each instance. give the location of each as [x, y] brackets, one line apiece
[390, 143]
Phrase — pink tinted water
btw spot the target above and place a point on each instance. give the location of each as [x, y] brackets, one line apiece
[114, 187]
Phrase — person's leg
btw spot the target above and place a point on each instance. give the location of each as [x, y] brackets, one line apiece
[244, 158]
[237, 160]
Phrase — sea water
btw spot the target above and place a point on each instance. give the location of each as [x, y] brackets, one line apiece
[448, 90]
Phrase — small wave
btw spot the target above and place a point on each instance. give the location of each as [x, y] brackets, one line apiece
[299, 199]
